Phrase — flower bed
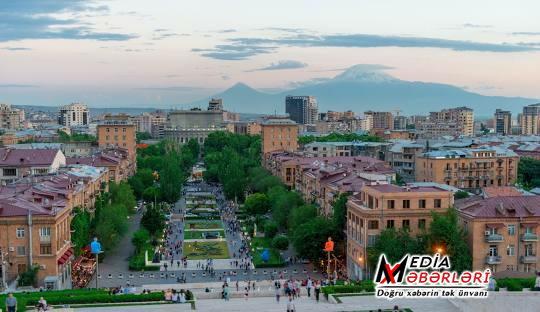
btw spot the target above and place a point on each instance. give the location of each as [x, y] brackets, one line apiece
[358, 287]
[199, 234]
[258, 244]
[206, 250]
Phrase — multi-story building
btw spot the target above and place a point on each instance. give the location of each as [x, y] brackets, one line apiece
[503, 122]
[215, 105]
[279, 134]
[184, 125]
[502, 232]
[19, 163]
[381, 120]
[402, 157]
[379, 207]
[302, 109]
[244, 127]
[117, 133]
[400, 123]
[36, 216]
[365, 123]
[11, 118]
[530, 119]
[463, 117]
[74, 114]
[468, 169]
[375, 150]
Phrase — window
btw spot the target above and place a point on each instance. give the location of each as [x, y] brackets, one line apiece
[107, 130]
[389, 224]
[371, 240]
[123, 129]
[20, 232]
[45, 249]
[406, 224]
[373, 225]
[45, 232]
[510, 250]
[421, 203]
[115, 129]
[9, 172]
[421, 223]
[511, 229]
[21, 250]
[391, 204]
[406, 203]
[437, 203]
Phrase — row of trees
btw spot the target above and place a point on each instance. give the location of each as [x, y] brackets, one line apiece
[339, 137]
[529, 172]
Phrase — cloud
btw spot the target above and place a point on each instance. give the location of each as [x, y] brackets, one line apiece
[285, 29]
[225, 77]
[234, 52]
[37, 19]
[18, 86]
[16, 49]
[172, 88]
[470, 25]
[224, 31]
[164, 33]
[283, 64]
[246, 47]
[526, 33]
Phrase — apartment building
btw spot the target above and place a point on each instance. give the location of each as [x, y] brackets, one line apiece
[380, 120]
[36, 222]
[462, 117]
[119, 166]
[402, 158]
[302, 109]
[117, 133]
[74, 114]
[503, 122]
[529, 120]
[19, 163]
[469, 169]
[375, 150]
[379, 207]
[11, 118]
[244, 127]
[502, 233]
[279, 134]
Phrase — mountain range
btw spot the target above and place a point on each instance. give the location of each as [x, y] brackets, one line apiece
[360, 90]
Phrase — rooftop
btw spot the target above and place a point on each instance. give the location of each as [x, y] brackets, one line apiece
[500, 207]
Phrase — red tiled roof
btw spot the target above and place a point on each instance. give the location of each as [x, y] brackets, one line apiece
[501, 191]
[391, 188]
[27, 157]
[500, 207]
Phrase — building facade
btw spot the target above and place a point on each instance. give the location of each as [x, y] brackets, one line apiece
[530, 119]
[302, 109]
[11, 118]
[503, 122]
[379, 207]
[117, 133]
[74, 114]
[380, 120]
[462, 117]
[469, 169]
[184, 125]
[279, 134]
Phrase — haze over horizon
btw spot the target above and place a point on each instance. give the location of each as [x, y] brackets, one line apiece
[163, 54]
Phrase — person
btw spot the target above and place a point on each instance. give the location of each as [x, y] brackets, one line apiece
[309, 285]
[278, 293]
[492, 285]
[395, 309]
[11, 303]
[226, 292]
[290, 305]
[317, 290]
[182, 296]
[537, 282]
[174, 296]
[246, 293]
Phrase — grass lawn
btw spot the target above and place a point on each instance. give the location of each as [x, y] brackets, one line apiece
[206, 250]
[257, 245]
[193, 224]
[199, 234]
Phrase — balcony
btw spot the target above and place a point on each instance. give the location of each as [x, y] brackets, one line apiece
[493, 259]
[528, 259]
[494, 238]
[529, 237]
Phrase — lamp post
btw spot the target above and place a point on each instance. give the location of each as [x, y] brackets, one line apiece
[95, 248]
[328, 247]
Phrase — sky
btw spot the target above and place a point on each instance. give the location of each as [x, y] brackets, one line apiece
[163, 52]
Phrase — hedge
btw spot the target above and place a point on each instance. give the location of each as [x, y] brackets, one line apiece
[364, 286]
[515, 284]
[83, 296]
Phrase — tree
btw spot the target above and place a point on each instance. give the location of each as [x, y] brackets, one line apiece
[122, 195]
[80, 226]
[139, 136]
[308, 239]
[300, 215]
[339, 216]
[153, 219]
[529, 172]
[394, 244]
[445, 232]
[140, 239]
[270, 229]
[280, 242]
[257, 204]
[171, 178]
[283, 202]
[111, 225]
[461, 194]
[152, 194]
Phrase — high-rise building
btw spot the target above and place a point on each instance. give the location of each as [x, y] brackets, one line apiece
[530, 119]
[11, 118]
[381, 120]
[463, 117]
[279, 134]
[503, 122]
[215, 105]
[302, 109]
[400, 122]
[74, 114]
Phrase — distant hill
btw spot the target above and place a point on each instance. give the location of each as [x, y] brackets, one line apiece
[360, 90]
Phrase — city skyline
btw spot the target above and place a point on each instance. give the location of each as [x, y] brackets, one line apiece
[101, 51]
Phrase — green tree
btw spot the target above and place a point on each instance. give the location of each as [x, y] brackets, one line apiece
[122, 195]
[153, 219]
[339, 216]
[445, 232]
[140, 238]
[300, 215]
[257, 204]
[111, 225]
[308, 238]
[529, 172]
[152, 194]
[80, 227]
[461, 194]
[280, 242]
[139, 136]
[394, 244]
[171, 178]
[270, 229]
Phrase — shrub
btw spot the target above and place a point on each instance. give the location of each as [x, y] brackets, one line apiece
[280, 242]
[515, 284]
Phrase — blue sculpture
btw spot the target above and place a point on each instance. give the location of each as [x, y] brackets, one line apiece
[95, 246]
[265, 255]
